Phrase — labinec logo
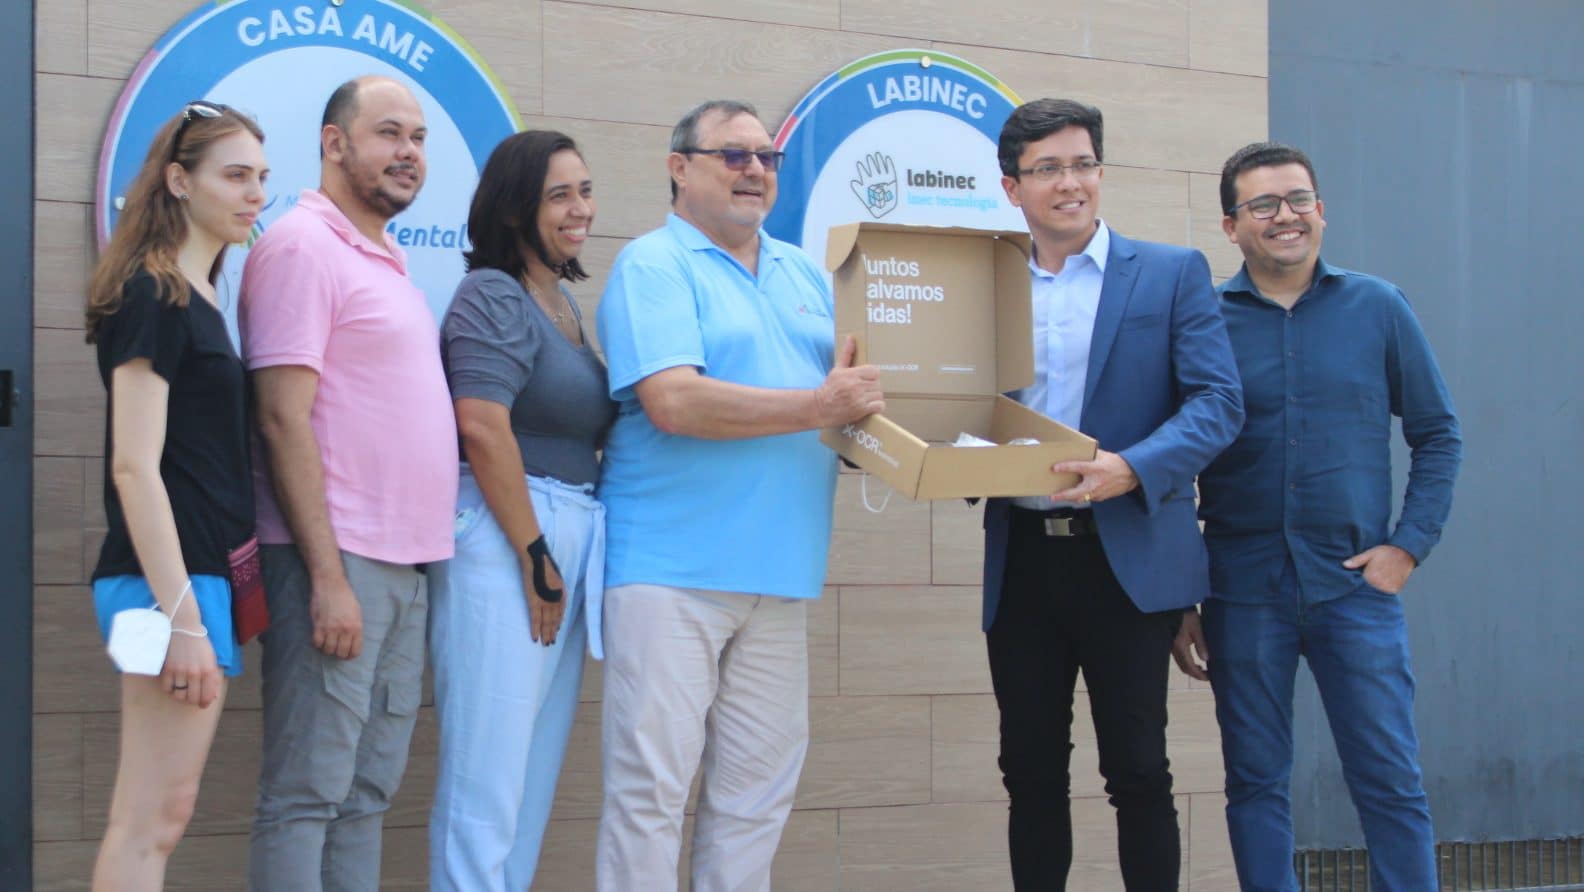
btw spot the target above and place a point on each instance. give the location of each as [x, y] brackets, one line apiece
[910, 134]
[876, 185]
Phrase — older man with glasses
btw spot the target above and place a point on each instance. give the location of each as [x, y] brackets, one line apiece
[1303, 561]
[718, 498]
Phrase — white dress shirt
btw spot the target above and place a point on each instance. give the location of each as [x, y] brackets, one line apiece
[1065, 305]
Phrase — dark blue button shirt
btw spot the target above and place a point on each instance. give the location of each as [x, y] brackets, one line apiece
[1309, 476]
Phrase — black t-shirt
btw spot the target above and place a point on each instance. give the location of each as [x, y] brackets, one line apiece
[205, 462]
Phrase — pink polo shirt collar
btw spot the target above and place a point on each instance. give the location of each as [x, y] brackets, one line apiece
[322, 207]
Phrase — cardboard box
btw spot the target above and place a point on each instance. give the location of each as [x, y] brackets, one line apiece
[946, 315]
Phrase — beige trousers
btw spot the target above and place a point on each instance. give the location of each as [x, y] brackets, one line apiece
[714, 683]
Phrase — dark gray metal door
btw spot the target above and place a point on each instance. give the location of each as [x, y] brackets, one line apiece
[1448, 137]
[16, 451]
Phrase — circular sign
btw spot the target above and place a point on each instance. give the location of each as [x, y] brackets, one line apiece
[279, 61]
[907, 136]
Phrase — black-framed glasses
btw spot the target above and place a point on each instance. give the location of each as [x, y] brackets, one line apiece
[1044, 173]
[198, 108]
[737, 159]
[1264, 207]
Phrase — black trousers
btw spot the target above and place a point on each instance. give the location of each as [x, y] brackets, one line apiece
[1062, 611]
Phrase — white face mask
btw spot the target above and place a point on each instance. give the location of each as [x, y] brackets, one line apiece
[139, 638]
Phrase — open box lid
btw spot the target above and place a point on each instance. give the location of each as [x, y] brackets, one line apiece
[941, 311]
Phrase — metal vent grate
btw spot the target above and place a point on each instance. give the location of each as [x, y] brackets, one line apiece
[1540, 865]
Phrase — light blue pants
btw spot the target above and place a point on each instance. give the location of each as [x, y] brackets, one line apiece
[505, 703]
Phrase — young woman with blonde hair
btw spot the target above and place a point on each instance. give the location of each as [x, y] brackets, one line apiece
[178, 491]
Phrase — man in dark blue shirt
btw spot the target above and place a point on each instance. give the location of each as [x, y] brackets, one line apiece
[1303, 559]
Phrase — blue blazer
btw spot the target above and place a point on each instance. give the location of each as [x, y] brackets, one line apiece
[1163, 391]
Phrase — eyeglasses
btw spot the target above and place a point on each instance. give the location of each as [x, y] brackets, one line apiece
[1045, 173]
[738, 159]
[1264, 207]
[201, 108]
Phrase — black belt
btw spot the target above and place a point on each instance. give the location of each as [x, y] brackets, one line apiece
[1058, 522]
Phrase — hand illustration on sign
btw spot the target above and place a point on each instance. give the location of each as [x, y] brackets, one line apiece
[876, 186]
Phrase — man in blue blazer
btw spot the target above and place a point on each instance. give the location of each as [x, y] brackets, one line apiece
[1129, 348]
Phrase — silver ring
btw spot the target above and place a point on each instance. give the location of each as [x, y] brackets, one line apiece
[178, 687]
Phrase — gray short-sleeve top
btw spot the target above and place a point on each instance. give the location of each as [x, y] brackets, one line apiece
[497, 344]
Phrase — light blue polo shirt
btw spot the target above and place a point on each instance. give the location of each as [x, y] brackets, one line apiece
[750, 515]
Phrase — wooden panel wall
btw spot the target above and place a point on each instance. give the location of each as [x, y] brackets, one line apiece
[901, 790]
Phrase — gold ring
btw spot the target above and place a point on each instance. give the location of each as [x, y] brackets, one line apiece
[1088, 497]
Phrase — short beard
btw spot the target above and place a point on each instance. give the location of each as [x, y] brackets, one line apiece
[386, 204]
[374, 197]
[745, 217]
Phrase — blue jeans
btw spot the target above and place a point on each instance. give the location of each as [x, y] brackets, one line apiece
[1357, 648]
[505, 703]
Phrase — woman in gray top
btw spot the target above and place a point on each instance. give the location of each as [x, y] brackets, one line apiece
[510, 613]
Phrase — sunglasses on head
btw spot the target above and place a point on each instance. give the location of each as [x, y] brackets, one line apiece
[198, 108]
[738, 159]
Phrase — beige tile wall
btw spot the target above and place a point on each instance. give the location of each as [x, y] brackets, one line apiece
[900, 791]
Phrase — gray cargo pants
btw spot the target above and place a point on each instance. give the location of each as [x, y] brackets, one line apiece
[335, 731]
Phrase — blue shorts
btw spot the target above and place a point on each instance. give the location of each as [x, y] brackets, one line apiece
[114, 594]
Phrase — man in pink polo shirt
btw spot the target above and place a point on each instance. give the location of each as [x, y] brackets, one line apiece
[356, 490]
